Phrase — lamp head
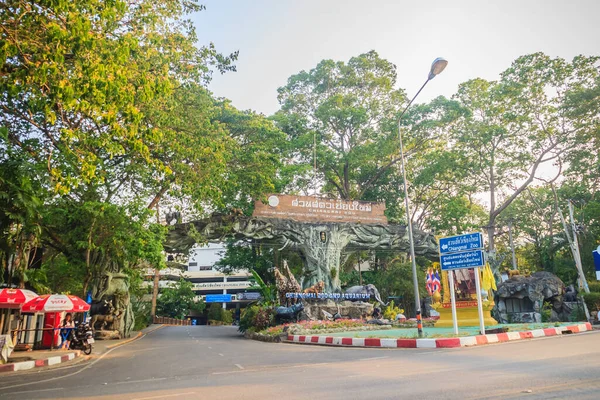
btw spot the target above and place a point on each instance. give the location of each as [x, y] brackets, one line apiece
[437, 67]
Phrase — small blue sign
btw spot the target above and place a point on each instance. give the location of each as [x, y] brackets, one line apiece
[467, 259]
[596, 254]
[466, 242]
[218, 298]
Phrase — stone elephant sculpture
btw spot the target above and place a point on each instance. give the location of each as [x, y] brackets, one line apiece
[369, 289]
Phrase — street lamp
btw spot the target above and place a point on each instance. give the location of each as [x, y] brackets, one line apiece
[437, 67]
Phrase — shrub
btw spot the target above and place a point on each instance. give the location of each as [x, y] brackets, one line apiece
[215, 312]
[592, 300]
[263, 319]
[247, 318]
[594, 287]
[227, 317]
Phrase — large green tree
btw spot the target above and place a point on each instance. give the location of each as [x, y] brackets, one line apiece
[516, 125]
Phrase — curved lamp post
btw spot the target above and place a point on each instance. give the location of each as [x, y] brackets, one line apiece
[437, 67]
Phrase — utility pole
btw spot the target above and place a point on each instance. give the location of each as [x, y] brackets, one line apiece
[156, 276]
[575, 247]
[512, 246]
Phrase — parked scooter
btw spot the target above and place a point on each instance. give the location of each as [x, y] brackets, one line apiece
[83, 337]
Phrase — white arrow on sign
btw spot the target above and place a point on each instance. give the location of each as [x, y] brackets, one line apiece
[444, 246]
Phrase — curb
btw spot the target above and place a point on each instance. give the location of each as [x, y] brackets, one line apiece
[439, 343]
[25, 365]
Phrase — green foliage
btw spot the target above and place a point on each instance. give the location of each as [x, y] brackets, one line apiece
[217, 313]
[546, 311]
[268, 292]
[264, 318]
[349, 108]
[244, 255]
[177, 300]
[247, 318]
[592, 300]
[594, 287]
[256, 318]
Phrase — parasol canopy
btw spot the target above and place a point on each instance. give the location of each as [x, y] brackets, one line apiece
[55, 303]
[14, 298]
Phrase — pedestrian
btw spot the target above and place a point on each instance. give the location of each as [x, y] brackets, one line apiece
[66, 331]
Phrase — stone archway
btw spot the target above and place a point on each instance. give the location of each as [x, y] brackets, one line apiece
[322, 257]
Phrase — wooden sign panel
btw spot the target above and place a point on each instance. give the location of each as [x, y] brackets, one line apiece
[317, 209]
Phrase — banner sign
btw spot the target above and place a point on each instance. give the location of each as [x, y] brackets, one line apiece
[221, 285]
[218, 298]
[335, 296]
[248, 296]
[467, 259]
[318, 209]
[467, 242]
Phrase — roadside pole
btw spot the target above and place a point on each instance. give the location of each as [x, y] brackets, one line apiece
[479, 300]
[453, 302]
[576, 253]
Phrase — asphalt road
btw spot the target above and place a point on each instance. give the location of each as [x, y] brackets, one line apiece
[200, 362]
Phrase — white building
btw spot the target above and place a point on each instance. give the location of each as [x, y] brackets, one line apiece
[206, 279]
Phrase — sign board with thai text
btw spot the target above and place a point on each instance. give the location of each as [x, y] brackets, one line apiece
[248, 296]
[465, 259]
[218, 298]
[466, 242]
[318, 209]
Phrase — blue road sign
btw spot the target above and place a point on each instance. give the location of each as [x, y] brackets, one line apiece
[466, 242]
[218, 298]
[466, 259]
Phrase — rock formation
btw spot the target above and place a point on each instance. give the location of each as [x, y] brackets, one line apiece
[522, 299]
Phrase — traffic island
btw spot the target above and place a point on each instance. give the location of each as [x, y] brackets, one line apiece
[432, 343]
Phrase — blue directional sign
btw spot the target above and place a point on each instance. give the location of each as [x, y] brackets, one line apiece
[218, 298]
[466, 242]
[466, 259]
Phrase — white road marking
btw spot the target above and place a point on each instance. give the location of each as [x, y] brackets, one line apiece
[372, 358]
[163, 396]
[239, 366]
[221, 354]
[138, 381]
[35, 391]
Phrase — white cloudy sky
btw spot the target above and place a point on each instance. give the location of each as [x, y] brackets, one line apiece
[278, 38]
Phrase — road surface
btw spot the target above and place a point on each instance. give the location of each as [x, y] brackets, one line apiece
[201, 362]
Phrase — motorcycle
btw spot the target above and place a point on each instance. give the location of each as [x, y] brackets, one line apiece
[83, 338]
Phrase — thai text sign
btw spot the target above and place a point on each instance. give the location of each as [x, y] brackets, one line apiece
[218, 298]
[335, 296]
[317, 209]
[465, 259]
[467, 242]
[221, 285]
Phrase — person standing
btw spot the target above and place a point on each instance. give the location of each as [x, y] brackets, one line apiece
[66, 331]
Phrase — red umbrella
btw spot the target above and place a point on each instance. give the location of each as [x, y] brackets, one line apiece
[78, 304]
[13, 298]
[55, 303]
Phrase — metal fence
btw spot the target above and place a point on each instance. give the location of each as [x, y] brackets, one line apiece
[170, 321]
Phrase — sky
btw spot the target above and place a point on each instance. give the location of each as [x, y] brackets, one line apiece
[480, 39]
